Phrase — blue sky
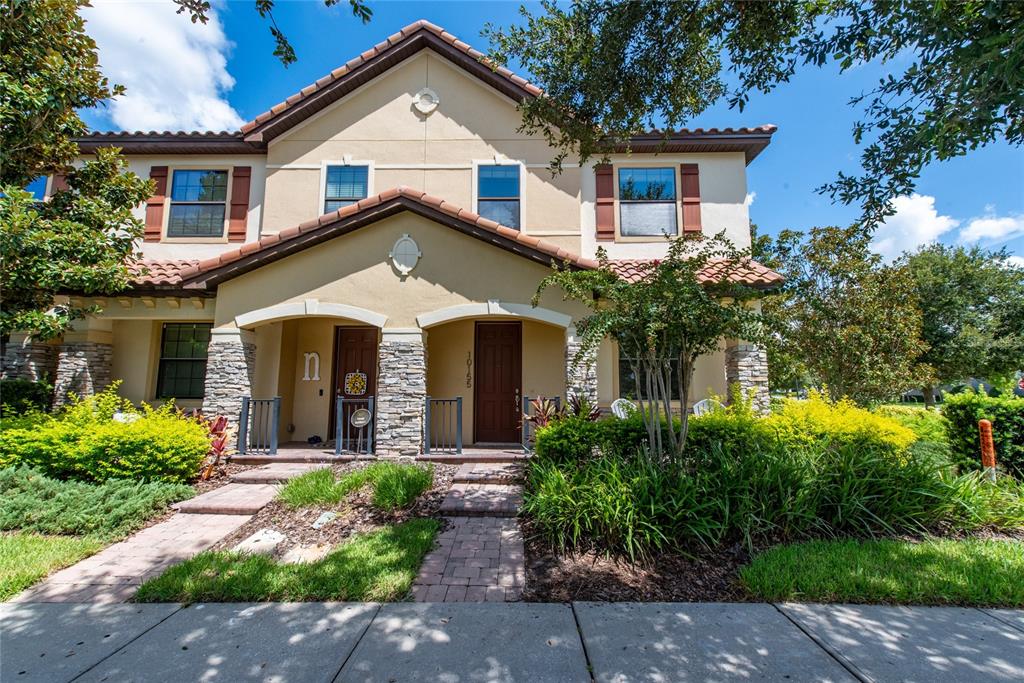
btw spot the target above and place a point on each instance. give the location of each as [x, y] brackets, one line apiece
[189, 76]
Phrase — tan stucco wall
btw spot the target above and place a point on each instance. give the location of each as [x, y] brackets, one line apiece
[135, 353]
[435, 153]
[449, 345]
[353, 270]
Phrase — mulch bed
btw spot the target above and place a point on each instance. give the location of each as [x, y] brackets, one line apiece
[355, 515]
[712, 576]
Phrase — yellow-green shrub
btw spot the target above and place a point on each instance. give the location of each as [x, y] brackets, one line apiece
[817, 418]
[85, 442]
[929, 425]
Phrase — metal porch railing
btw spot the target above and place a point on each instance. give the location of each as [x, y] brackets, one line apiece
[258, 425]
[442, 425]
[528, 430]
[353, 429]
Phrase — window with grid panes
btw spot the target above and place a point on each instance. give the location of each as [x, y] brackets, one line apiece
[183, 360]
[198, 200]
[345, 185]
[627, 380]
[647, 201]
[498, 194]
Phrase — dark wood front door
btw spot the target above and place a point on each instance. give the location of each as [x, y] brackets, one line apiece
[499, 360]
[355, 351]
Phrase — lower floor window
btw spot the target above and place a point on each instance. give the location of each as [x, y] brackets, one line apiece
[182, 371]
[627, 380]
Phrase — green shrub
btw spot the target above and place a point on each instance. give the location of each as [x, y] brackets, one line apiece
[807, 421]
[31, 501]
[928, 425]
[962, 412]
[19, 396]
[395, 485]
[569, 439]
[85, 442]
[638, 507]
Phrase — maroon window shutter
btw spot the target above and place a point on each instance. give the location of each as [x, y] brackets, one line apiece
[605, 204]
[59, 183]
[691, 199]
[239, 203]
[155, 204]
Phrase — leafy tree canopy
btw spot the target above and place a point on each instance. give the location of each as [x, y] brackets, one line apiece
[843, 317]
[199, 11]
[972, 306]
[81, 239]
[670, 315]
[611, 70]
[49, 71]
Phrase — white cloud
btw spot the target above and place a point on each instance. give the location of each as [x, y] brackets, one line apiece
[993, 228]
[915, 223]
[1015, 261]
[749, 199]
[174, 71]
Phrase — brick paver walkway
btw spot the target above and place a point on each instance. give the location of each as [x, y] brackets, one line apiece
[115, 573]
[233, 499]
[477, 559]
[480, 556]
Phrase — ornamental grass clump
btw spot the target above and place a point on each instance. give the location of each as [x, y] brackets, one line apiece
[394, 485]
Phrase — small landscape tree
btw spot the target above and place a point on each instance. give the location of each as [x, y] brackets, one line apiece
[851, 321]
[677, 309]
[972, 305]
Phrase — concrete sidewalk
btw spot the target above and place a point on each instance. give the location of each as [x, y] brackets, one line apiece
[508, 642]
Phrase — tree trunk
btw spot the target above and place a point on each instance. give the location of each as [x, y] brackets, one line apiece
[929, 397]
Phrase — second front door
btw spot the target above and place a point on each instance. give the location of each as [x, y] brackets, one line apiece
[498, 382]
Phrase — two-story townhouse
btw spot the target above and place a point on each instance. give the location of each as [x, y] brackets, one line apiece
[295, 259]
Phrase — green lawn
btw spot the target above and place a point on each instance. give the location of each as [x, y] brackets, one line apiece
[25, 558]
[375, 566]
[933, 572]
[395, 485]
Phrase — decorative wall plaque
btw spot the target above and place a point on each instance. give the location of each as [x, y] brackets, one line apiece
[426, 101]
[405, 254]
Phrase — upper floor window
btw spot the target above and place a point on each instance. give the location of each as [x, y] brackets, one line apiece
[498, 194]
[647, 202]
[345, 185]
[198, 200]
[182, 371]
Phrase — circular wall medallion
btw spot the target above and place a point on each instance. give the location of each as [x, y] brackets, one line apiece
[405, 254]
[360, 418]
[426, 101]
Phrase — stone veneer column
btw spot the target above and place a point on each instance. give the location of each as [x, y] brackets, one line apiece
[401, 391]
[580, 378]
[25, 358]
[230, 372]
[83, 360]
[746, 365]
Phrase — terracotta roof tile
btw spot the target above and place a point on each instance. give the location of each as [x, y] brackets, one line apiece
[749, 273]
[176, 272]
[154, 272]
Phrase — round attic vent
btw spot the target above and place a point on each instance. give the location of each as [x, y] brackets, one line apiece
[426, 101]
[405, 254]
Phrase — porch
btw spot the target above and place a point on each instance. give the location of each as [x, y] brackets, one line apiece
[324, 388]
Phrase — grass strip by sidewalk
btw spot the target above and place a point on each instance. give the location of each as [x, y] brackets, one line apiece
[25, 558]
[932, 572]
[376, 566]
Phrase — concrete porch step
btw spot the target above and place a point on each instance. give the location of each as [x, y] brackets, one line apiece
[489, 473]
[482, 456]
[285, 456]
[232, 499]
[276, 473]
[482, 500]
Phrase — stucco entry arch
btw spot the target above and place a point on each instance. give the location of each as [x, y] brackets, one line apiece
[309, 308]
[493, 308]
